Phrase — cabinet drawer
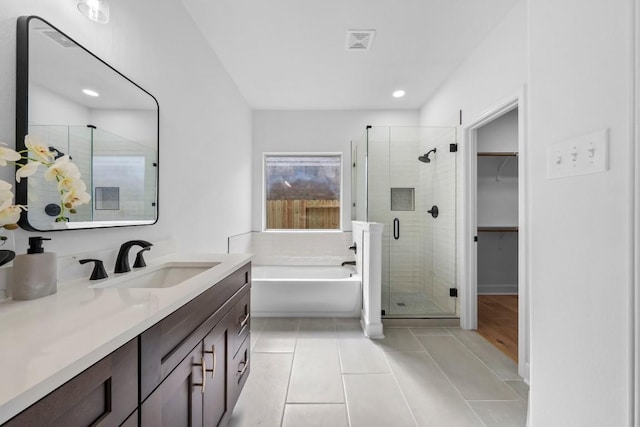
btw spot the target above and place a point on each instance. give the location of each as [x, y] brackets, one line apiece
[166, 344]
[241, 321]
[239, 372]
[103, 395]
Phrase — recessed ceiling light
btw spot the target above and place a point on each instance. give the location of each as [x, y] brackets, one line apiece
[96, 10]
[90, 92]
[398, 94]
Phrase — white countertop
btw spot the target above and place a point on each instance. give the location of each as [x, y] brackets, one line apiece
[48, 341]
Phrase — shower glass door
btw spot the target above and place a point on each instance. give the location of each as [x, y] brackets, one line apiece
[419, 255]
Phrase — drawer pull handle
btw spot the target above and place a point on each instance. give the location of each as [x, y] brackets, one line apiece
[215, 360]
[242, 367]
[204, 375]
[212, 352]
[243, 320]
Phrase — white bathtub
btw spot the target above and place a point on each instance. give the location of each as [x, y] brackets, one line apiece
[305, 291]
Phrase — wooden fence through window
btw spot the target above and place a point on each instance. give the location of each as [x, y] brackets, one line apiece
[303, 214]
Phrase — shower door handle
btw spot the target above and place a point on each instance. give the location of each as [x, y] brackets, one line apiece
[396, 228]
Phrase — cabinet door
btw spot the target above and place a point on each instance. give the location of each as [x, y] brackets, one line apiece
[103, 395]
[216, 350]
[177, 402]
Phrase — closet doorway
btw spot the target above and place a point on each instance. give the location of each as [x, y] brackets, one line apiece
[497, 232]
[494, 236]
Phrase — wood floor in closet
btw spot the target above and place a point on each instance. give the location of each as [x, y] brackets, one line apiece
[498, 322]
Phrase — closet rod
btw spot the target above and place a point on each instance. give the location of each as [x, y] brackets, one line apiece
[497, 154]
[498, 229]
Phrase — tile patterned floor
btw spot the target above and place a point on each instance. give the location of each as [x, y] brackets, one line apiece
[322, 372]
[414, 303]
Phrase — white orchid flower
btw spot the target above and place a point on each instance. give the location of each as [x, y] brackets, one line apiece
[8, 154]
[71, 184]
[27, 170]
[5, 204]
[74, 198]
[10, 214]
[38, 149]
[62, 168]
[5, 196]
[5, 192]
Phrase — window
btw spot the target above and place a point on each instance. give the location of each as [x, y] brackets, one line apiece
[302, 191]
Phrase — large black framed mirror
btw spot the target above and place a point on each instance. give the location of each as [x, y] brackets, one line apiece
[74, 103]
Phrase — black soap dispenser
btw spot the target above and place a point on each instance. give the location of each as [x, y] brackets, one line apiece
[35, 274]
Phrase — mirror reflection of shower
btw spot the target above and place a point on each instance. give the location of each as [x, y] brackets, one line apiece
[425, 158]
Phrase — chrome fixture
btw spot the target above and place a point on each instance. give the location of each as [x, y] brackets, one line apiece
[425, 158]
[96, 10]
[122, 262]
[98, 269]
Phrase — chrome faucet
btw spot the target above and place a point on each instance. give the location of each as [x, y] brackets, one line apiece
[122, 262]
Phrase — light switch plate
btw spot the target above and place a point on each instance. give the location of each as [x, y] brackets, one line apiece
[582, 155]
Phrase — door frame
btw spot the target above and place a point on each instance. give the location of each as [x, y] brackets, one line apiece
[469, 224]
[635, 211]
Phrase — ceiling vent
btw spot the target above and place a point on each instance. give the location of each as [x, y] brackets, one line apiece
[56, 36]
[360, 39]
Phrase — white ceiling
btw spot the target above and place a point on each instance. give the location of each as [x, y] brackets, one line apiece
[290, 54]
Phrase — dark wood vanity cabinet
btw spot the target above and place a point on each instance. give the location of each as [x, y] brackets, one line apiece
[104, 395]
[186, 370]
[192, 373]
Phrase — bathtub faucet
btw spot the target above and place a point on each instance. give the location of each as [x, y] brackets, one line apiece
[348, 263]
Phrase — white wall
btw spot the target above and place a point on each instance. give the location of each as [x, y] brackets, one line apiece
[205, 123]
[580, 80]
[49, 108]
[493, 71]
[315, 131]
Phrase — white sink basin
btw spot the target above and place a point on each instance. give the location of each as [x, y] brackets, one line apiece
[161, 276]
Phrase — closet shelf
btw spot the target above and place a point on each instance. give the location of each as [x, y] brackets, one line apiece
[498, 229]
[506, 155]
[497, 153]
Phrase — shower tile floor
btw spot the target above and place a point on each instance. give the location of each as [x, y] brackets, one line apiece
[413, 303]
[316, 372]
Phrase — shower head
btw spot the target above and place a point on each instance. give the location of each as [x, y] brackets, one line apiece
[425, 158]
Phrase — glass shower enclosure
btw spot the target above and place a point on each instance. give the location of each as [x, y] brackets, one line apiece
[405, 178]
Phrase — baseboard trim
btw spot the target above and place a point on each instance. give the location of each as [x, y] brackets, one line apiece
[417, 323]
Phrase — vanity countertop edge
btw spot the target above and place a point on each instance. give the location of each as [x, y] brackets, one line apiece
[48, 341]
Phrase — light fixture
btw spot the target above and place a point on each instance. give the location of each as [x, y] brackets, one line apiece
[398, 93]
[90, 92]
[96, 10]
